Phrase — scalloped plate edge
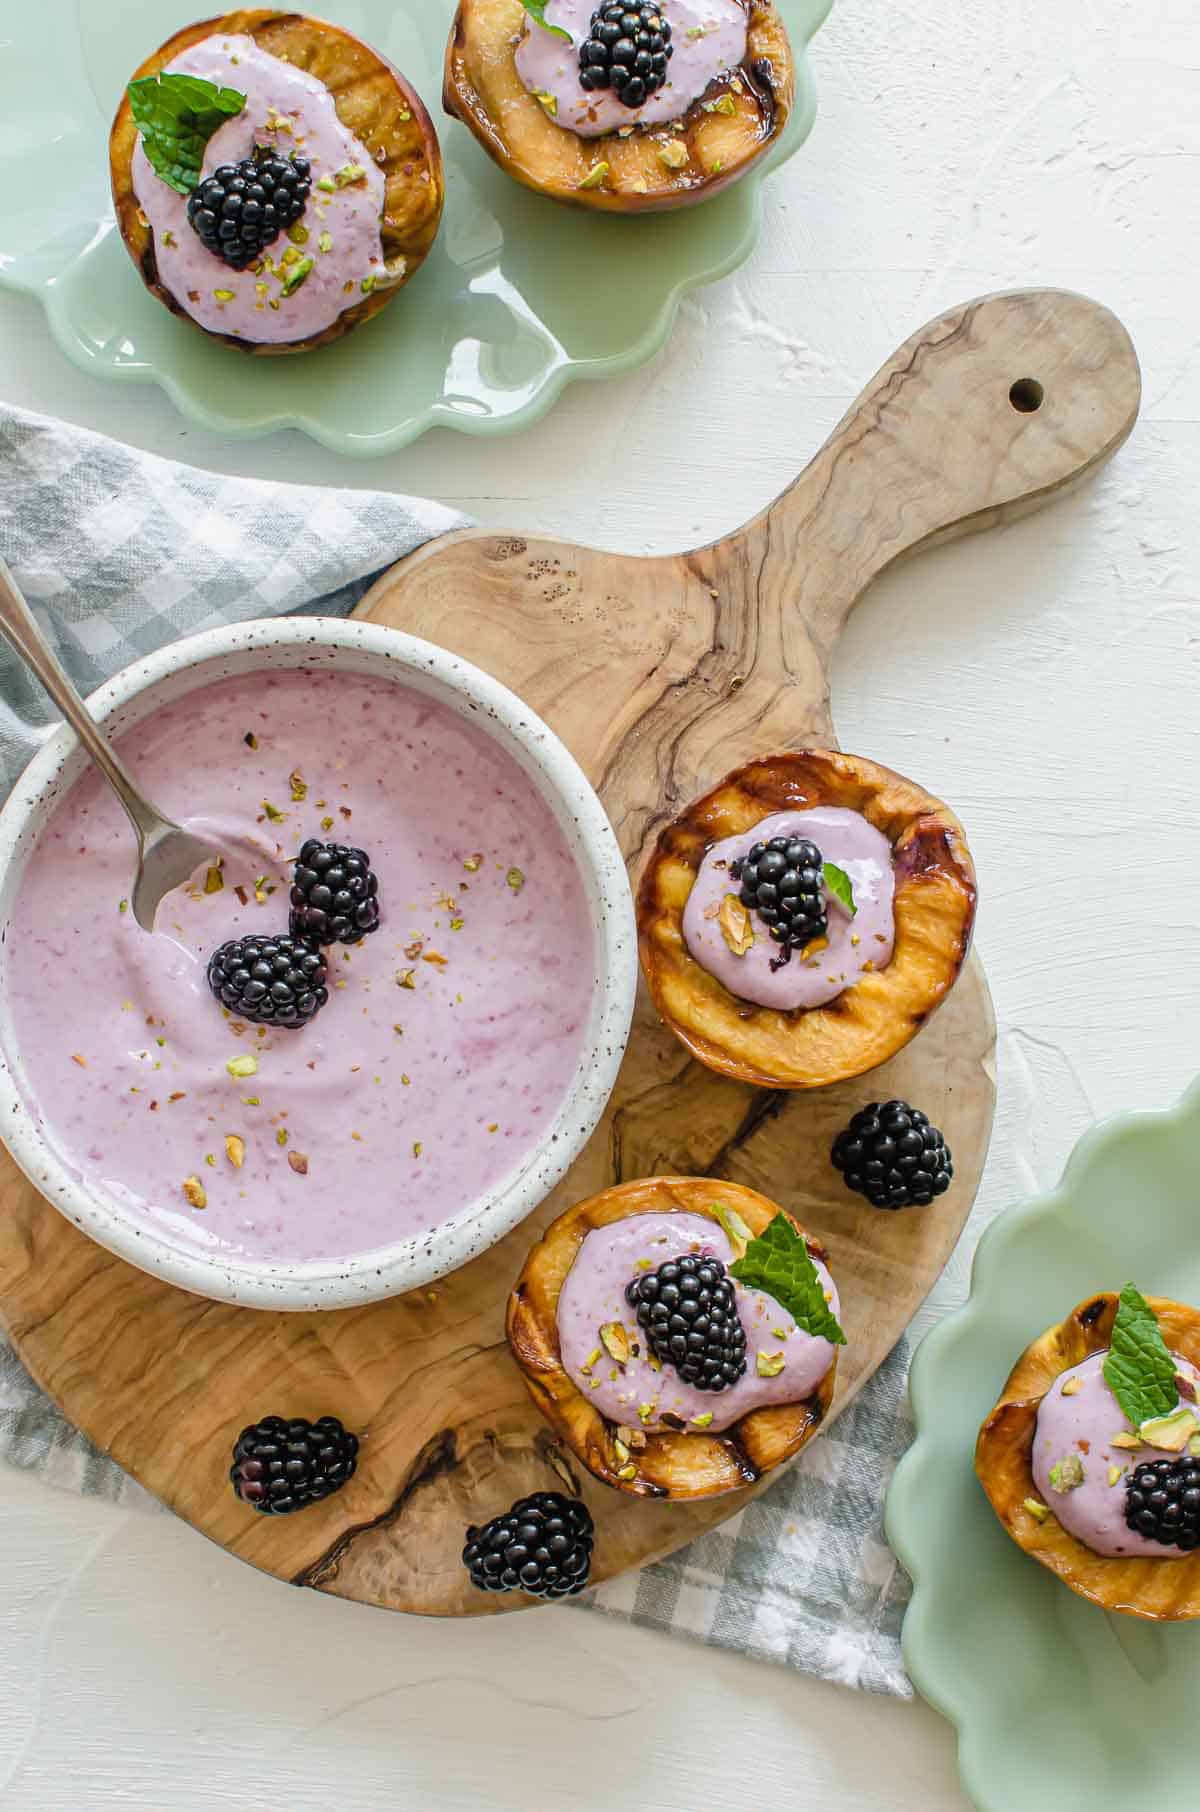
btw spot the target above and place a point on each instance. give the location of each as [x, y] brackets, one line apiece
[933, 1680]
[438, 415]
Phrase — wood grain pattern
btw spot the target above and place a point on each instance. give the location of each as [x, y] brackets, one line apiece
[661, 674]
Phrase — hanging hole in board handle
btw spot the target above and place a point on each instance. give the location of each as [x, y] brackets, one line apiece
[1026, 395]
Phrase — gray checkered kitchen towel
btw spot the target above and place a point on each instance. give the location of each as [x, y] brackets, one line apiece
[119, 553]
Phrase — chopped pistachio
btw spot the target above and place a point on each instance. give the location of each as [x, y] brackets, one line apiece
[195, 1192]
[770, 1364]
[122, 905]
[281, 1136]
[245, 1065]
[735, 925]
[515, 879]
[1123, 1438]
[81, 1061]
[780, 1333]
[416, 1148]
[214, 880]
[368, 283]
[628, 1472]
[1066, 1474]
[210, 1160]
[704, 1421]
[645, 1411]
[298, 1162]
[169, 238]
[673, 154]
[325, 242]
[349, 173]
[1115, 1474]
[472, 864]
[632, 1437]
[251, 1101]
[733, 1227]
[457, 924]
[235, 1149]
[591, 1359]
[642, 1264]
[298, 785]
[616, 1341]
[298, 232]
[717, 166]
[1072, 1387]
[296, 276]
[250, 739]
[277, 817]
[1170, 1433]
[435, 957]
[326, 184]
[224, 295]
[548, 101]
[621, 1451]
[594, 177]
[404, 978]
[1036, 1509]
[724, 103]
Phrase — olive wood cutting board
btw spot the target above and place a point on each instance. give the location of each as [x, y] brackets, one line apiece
[661, 674]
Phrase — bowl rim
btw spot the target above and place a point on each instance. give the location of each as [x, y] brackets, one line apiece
[423, 1257]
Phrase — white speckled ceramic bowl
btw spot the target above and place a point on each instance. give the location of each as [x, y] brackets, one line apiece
[365, 648]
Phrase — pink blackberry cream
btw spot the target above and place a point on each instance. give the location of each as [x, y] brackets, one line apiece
[1080, 1475]
[451, 1034]
[855, 943]
[708, 42]
[333, 256]
[643, 1393]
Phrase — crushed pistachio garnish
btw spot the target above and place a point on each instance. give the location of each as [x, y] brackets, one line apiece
[296, 276]
[250, 739]
[325, 242]
[628, 1472]
[735, 925]
[594, 177]
[1115, 1474]
[224, 295]
[298, 785]
[368, 283]
[327, 824]
[214, 880]
[195, 1192]
[780, 1333]
[122, 905]
[251, 1101]
[548, 101]
[515, 879]
[326, 184]
[1036, 1509]
[717, 166]
[1072, 1387]
[235, 1149]
[298, 232]
[435, 957]
[645, 1411]
[81, 1061]
[616, 1341]
[349, 173]
[1169, 1433]
[769, 1364]
[674, 155]
[298, 1162]
[277, 817]
[621, 1451]
[704, 1421]
[404, 978]
[1066, 1474]
[281, 1137]
[416, 1148]
[245, 1065]
[1123, 1438]
[169, 238]
[472, 864]
[642, 1264]
[724, 103]
[210, 1159]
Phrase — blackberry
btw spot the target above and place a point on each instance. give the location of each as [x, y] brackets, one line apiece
[627, 49]
[893, 1156]
[334, 894]
[1162, 1502]
[275, 981]
[280, 1465]
[542, 1546]
[781, 881]
[688, 1313]
[242, 208]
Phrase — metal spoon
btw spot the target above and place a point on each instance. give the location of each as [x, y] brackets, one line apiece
[167, 854]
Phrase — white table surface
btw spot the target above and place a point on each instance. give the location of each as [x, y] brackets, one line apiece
[1045, 678]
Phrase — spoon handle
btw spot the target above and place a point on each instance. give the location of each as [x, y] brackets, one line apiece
[17, 624]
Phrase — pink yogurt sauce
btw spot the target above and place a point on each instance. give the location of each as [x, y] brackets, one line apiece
[709, 40]
[593, 1293]
[407, 1101]
[350, 215]
[864, 941]
[1083, 1425]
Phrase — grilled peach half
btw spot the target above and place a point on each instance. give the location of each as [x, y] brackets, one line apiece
[663, 1464]
[1165, 1590]
[741, 116]
[373, 100]
[934, 907]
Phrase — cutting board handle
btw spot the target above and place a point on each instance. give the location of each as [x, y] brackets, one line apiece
[982, 415]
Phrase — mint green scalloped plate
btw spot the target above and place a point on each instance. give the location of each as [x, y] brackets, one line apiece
[1060, 1707]
[519, 296]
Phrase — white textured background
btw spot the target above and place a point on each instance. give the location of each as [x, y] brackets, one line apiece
[1045, 679]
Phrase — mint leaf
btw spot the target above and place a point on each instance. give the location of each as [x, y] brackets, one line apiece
[176, 116]
[537, 10]
[778, 1262]
[838, 882]
[1139, 1369]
